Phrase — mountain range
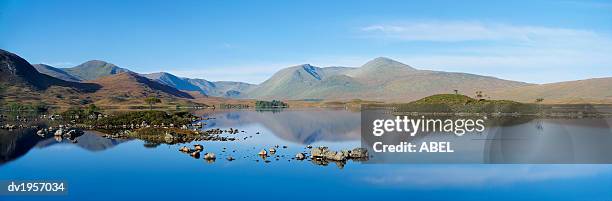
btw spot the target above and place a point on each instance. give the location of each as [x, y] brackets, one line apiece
[380, 79]
[226, 89]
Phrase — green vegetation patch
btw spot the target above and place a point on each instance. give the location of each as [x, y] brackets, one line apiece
[153, 117]
[271, 104]
[457, 103]
[37, 107]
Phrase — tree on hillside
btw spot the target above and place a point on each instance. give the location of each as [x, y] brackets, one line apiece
[92, 109]
[152, 101]
[479, 95]
[456, 91]
[538, 101]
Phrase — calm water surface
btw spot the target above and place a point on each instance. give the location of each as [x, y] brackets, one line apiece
[97, 168]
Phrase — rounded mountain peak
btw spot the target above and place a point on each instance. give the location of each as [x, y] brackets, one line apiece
[96, 64]
[387, 63]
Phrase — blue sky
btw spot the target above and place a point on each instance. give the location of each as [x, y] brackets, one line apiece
[532, 41]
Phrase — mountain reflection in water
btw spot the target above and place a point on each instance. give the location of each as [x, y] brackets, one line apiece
[16, 143]
[297, 126]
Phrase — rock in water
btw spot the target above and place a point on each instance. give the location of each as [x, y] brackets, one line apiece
[318, 152]
[184, 149]
[59, 132]
[41, 132]
[168, 137]
[300, 156]
[195, 154]
[210, 156]
[325, 153]
[198, 147]
[359, 153]
[336, 155]
[71, 133]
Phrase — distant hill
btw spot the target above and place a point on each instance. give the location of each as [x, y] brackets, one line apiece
[205, 87]
[129, 85]
[173, 81]
[379, 79]
[55, 72]
[596, 90]
[230, 89]
[94, 69]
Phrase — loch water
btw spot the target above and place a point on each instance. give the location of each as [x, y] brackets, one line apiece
[98, 168]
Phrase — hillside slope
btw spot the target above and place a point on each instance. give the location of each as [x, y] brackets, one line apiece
[17, 71]
[129, 85]
[596, 90]
[380, 79]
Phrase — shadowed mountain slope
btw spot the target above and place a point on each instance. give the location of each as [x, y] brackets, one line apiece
[55, 72]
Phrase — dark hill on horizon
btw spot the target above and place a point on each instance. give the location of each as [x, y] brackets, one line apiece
[16, 71]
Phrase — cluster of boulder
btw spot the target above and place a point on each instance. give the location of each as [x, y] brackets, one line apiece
[61, 130]
[122, 134]
[271, 150]
[14, 126]
[343, 155]
[171, 137]
[195, 152]
[9, 126]
[220, 131]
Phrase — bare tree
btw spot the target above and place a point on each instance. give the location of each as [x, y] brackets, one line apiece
[152, 101]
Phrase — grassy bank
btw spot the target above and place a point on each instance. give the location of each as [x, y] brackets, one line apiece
[457, 103]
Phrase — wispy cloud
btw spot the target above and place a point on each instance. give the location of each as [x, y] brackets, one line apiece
[502, 50]
[458, 31]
